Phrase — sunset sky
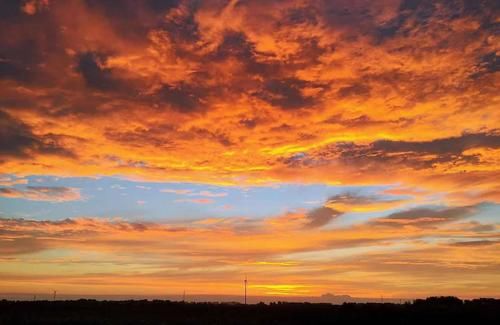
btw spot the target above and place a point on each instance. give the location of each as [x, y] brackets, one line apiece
[342, 146]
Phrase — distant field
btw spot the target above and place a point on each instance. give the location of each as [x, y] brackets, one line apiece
[444, 310]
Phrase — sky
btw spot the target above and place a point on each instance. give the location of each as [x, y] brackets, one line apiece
[155, 147]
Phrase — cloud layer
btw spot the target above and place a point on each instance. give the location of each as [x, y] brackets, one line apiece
[255, 93]
[391, 254]
[263, 91]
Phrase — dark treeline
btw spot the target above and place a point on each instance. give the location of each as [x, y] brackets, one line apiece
[443, 310]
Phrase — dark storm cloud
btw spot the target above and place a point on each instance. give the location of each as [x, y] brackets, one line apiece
[308, 54]
[14, 70]
[27, 41]
[234, 44]
[10, 9]
[17, 140]
[415, 14]
[133, 18]
[286, 93]
[56, 103]
[90, 66]
[487, 64]
[300, 15]
[446, 146]
[183, 97]
[181, 25]
[319, 217]
[414, 154]
[420, 10]
[356, 90]
[21, 61]
[131, 9]
[347, 16]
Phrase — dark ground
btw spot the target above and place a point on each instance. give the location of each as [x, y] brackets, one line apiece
[444, 310]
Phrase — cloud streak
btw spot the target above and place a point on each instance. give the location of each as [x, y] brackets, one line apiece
[42, 193]
[219, 250]
[426, 217]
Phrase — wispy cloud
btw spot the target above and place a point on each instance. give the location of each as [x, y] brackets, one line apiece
[42, 193]
[189, 192]
[196, 201]
[178, 192]
[219, 250]
[6, 180]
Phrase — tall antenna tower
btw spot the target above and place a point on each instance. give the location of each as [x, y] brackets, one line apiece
[55, 293]
[246, 289]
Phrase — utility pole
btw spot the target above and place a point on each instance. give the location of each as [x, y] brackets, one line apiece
[184, 296]
[246, 289]
[55, 293]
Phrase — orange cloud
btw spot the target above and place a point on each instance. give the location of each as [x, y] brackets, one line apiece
[256, 93]
[10, 181]
[358, 259]
[42, 193]
[237, 97]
